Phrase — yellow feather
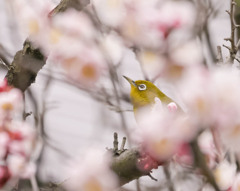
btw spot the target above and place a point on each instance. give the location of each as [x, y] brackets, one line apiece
[143, 94]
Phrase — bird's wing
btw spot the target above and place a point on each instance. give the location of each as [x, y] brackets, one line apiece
[172, 93]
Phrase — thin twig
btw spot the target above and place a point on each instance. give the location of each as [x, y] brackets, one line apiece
[113, 75]
[115, 142]
[123, 144]
[215, 135]
[219, 55]
[34, 183]
[234, 46]
[138, 186]
[200, 162]
[168, 177]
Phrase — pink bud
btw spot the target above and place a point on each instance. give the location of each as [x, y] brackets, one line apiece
[172, 107]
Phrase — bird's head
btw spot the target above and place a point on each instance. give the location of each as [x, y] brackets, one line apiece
[143, 92]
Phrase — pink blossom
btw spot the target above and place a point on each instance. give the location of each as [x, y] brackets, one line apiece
[146, 163]
[10, 105]
[146, 23]
[112, 47]
[91, 172]
[212, 99]
[33, 20]
[184, 155]
[224, 174]
[110, 12]
[74, 24]
[236, 183]
[207, 146]
[16, 137]
[172, 107]
[163, 132]
[16, 164]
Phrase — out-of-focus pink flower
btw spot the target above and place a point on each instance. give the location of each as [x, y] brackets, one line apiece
[224, 174]
[17, 139]
[112, 47]
[20, 144]
[146, 163]
[10, 105]
[184, 155]
[172, 107]
[187, 54]
[33, 20]
[74, 24]
[91, 173]
[4, 87]
[236, 183]
[86, 68]
[16, 164]
[207, 146]
[110, 12]
[163, 132]
[152, 62]
[146, 23]
[73, 45]
[212, 100]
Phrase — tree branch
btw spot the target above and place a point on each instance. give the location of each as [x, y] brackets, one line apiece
[28, 61]
[125, 163]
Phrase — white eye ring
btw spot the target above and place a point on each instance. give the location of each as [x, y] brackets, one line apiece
[142, 87]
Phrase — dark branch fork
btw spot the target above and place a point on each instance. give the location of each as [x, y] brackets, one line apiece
[234, 46]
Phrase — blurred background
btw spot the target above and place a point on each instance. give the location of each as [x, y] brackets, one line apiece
[73, 119]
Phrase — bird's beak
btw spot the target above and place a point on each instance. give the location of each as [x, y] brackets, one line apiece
[130, 81]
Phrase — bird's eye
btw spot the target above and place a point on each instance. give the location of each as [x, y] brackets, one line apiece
[142, 87]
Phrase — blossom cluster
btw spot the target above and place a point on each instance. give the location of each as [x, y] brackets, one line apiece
[212, 118]
[70, 39]
[16, 137]
[144, 23]
[92, 172]
[84, 43]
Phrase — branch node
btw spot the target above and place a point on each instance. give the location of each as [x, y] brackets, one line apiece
[123, 144]
[227, 47]
[219, 55]
[152, 177]
[228, 39]
[228, 12]
[115, 142]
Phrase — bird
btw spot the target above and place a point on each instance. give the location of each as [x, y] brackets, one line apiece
[144, 93]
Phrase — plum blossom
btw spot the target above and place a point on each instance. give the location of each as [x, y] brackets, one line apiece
[10, 103]
[207, 146]
[75, 47]
[152, 62]
[17, 149]
[91, 173]
[110, 12]
[212, 99]
[184, 56]
[68, 38]
[112, 47]
[163, 132]
[172, 107]
[17, 138]
[33, 20]
[145, 23]
[236, 183]
[224, 174]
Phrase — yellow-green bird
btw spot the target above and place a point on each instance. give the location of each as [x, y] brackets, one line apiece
[143, 93]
